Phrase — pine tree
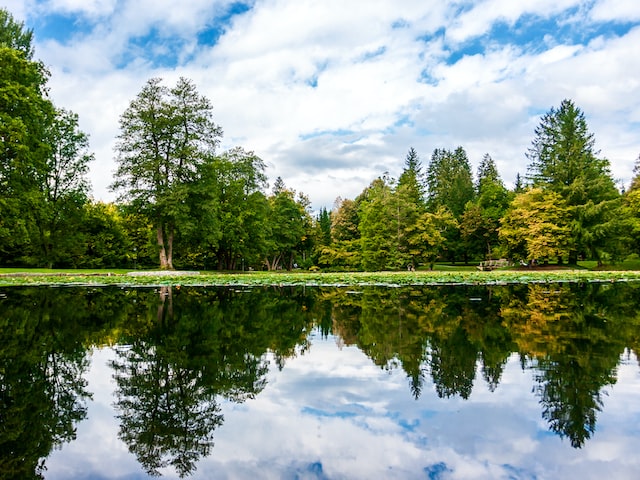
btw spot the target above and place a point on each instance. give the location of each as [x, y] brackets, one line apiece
[564, 160]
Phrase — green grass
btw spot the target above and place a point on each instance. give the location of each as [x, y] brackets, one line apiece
[18, 277]
[61, 271]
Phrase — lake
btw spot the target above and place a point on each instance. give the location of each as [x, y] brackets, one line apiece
[528, 381]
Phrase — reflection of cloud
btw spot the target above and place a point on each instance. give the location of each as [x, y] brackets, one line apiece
[331, 413]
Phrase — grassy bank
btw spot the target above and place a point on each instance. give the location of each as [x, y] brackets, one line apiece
[150, 278]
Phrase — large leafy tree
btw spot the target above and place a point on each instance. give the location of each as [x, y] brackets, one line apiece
[57, 209]
[290, 227]
[427, 237]
[14, 36]
[243, 209]
[25, 113]
[107, 241]
[536, 226]
[564, 160]
[167, 136]
[379, 227]
[343, 252]
[43, 160]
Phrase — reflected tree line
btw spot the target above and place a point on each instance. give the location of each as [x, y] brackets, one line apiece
[571, 335]
[179, 352]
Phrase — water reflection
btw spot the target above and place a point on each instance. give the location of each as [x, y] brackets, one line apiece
[42, 390]
[180, 353]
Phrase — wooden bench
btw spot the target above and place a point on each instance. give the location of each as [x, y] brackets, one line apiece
[489, 265]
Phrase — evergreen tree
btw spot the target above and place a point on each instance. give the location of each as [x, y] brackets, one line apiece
[449, 181]
[323, 221]
[450, 185]
[519, 184]
[564, 160]
[481, 219]
[379, 227]
[411, 178]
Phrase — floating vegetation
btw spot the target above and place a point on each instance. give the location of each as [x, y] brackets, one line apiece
[342, 279]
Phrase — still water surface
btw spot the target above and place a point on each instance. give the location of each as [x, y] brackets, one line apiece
[528, 381]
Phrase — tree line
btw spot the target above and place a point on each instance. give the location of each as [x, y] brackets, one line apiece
[181, 203]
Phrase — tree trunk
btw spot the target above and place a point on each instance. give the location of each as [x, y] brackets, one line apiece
[161, 249]
[274, 263]
[170, 250]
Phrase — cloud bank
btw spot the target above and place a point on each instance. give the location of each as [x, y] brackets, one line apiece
[332, 94]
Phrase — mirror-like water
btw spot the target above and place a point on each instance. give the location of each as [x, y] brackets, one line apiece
[528, 381]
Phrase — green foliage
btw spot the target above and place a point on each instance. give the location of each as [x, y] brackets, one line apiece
[242, 209]
[449, 181]
[428, 235]
[56, 207]
[108, 244]
[345, 220]
[563, 160]
[166, 136]
[379, 227]
[14, 36]
[44, 161]
[536, 226]
[24, 116]
[481, 219]
[174, 190]
[290, 228]
[411, 179]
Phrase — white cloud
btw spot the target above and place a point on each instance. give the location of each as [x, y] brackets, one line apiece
[89, 8]
[479, 19]
[620, 10]
[288, 79]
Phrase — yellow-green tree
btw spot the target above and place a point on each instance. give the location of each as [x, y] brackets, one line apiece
[631, 209]
[536, 226]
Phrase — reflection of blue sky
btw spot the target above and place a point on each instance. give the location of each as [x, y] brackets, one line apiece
[331, 413]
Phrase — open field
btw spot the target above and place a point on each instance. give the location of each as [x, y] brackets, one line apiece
[154, 278]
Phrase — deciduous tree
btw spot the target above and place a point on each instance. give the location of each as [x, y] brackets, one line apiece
[166, 137]
[536, 226]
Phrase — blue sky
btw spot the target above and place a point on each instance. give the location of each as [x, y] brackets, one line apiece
[332, 94]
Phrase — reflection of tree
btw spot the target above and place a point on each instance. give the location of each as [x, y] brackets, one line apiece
[571, 335]
[434, 329]
[168, 416]
[192, 347]
[453, 364]
[42, 392]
